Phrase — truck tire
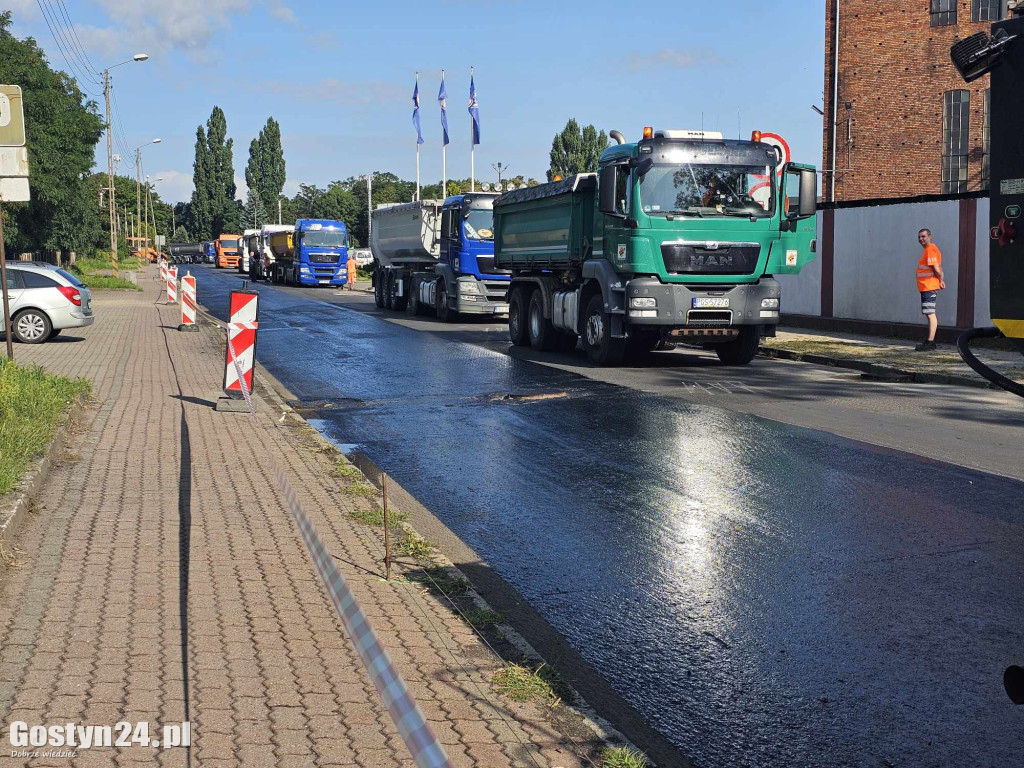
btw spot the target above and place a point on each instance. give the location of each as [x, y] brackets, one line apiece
[378, 288]
[397, 302]
[517, 322]
[601, 348]
[740, 350]
[414, 307]
[389, 279]
[444, 312]
[543, 335]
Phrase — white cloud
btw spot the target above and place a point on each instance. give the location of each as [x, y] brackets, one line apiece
[176, 186]
[158, 26]
[671, 59]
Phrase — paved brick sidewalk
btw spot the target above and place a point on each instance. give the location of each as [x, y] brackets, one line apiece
[167, 498]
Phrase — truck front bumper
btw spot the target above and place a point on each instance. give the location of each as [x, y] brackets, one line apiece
[480, 307]
[487, 297]
[676, 305]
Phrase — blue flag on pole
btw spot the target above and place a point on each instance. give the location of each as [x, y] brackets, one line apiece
[474, 111]
[416, 112]
[442, 96]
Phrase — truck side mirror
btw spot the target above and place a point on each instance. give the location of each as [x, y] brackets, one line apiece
[808, 193]
[606, 181]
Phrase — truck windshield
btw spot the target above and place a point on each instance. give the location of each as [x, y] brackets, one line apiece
[708, 190]
[478, 224]
[229, 246]
[324, 238]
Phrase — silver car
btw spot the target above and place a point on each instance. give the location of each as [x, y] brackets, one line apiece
[45, 300]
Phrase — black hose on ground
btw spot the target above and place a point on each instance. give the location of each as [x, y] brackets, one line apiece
[963, 347]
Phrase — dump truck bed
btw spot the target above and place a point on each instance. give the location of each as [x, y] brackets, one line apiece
[549, 226]
[407, 233]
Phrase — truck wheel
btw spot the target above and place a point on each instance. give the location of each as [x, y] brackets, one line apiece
[389, 279]
[740, 350]
[378, 288]
[414, 307]
[517, 332]
[444, 312]
[601, 348]
[543, 335]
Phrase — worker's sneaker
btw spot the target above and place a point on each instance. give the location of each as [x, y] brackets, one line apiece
[925, 346]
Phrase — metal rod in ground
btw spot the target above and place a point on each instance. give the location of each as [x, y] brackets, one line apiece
[387, 527]
[8, 330]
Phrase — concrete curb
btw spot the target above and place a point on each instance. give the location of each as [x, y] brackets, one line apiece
[876, 372]
[15, 505]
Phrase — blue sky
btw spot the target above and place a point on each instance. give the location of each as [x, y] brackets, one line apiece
[338, 76]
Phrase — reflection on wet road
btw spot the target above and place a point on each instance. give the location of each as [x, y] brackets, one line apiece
[762, 594]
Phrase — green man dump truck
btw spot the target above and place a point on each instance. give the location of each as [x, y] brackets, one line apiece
[675, 238]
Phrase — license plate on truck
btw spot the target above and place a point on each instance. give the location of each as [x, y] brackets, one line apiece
[705, 302]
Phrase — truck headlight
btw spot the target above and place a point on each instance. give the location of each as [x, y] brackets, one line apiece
[467, 287]
[770, 303]
[303, 268]
[643, 302]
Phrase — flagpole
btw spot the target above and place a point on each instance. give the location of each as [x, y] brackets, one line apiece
[417, 144]
[444, 160]
[472, 148]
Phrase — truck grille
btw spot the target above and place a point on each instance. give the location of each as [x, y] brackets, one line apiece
[708, 318]
[323, 258]
[697, 258]
[497, 290]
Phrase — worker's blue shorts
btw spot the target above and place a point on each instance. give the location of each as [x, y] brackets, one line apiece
[928, 302]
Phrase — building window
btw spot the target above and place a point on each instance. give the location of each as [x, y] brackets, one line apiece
[985, 10]
[943, 12]
[986, 147]
[956, 106]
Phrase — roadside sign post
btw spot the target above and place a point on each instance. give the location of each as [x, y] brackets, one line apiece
[13, 181]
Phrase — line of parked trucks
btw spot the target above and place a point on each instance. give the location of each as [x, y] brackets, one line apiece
[676, 238]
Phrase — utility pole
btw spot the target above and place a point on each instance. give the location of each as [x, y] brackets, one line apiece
[279, 210]
[145, 225]
[369, 207]
[110, 172]
[138, 191]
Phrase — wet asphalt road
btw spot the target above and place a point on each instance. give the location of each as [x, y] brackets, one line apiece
[764, 594]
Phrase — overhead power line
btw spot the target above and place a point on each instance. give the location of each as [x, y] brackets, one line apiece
[73, 35]
[75, 69]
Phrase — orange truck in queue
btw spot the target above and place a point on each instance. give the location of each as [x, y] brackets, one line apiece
[227, 251]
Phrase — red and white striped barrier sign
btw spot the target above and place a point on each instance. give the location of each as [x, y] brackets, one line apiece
[188, 302]
[163, 270]
[172, 285]
[242, 324]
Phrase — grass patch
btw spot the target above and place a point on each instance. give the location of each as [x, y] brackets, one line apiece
[482, 618]
[375, 516]
[85, 270]
[439, 581]
[31, 406]
[521, 683]
[343, 469]
[622, 757]
[363, 490]
[414, 546]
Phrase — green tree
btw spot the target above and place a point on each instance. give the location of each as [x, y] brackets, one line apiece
[62, 129]
[265, 171]
[180, 235]
[254, 215]
[214, 209]
[200, 216]
[576, 151]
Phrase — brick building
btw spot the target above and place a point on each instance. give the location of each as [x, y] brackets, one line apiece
[900, 121]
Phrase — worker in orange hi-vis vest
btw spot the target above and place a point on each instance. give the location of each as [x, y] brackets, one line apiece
[352, 267]
[929, 280]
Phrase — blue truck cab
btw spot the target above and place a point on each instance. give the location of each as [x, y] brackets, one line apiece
[466, 258]
[209, 252]
[320, 252]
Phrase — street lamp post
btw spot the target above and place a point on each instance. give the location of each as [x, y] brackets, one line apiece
[110, 155]
[138, 181]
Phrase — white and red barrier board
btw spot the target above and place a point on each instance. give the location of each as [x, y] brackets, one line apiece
[188, 299]
[172, 285]
[163, 270]
[242, 327]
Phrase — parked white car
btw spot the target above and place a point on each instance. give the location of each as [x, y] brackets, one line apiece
[44, 300]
